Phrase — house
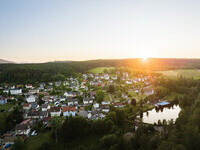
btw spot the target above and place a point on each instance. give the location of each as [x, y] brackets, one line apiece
[106, 108]
[48, 98]
[114, 77]
[9, 140]
[2, 101]
[19, 86]
[27, 106]
[118, 105]
[69, 111]
[88, 100]
[105, 76]
[42, 85]
[49, 88]
[110, 81]
[125, 74]
[50, 83]
[128, 82]
[83, 113]
[63, 98]
[34, 106]
[30, 99]
[26, 121]
[34, 91]
[96, 105]
[73, 101]
[29, 86]
[137, 90]
[55, 111]
[12, 86]
[70, 94]
[57, 83]
[13, 91]
[56, 103]
[22, 129]
[46, 120]
[37, 114]
[148, 91]
[45, 107]
[92, 93]
[105, 103]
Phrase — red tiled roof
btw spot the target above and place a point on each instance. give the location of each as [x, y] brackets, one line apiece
[26, 104]
[25, 121]
[64, 109]
[117, 104]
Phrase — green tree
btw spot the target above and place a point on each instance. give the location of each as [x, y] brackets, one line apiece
[18, 145]
[111, 89]
[56, 123]
[99, 96]
[40, 101]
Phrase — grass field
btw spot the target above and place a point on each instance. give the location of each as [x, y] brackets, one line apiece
[101, 69]
[184, 72]
[6, 106]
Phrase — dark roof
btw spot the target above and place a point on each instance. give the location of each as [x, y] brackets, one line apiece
[26, 105]
[46, 119]
[105, 107]
[44, 105]
[22, 127]
[73, 100]
[88, 99]
[38, 113]
[55, 109]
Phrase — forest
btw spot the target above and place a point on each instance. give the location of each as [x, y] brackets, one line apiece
[52, 71]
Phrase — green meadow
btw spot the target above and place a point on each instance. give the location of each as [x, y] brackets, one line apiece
[190, 73]
[101, 69]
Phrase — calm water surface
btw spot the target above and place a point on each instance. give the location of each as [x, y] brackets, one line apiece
[166, 113]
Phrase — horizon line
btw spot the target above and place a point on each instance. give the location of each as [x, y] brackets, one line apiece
[54, 61]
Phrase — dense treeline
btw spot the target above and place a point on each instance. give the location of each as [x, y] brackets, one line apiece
[185, 134]
[8, 120]
[21, 73]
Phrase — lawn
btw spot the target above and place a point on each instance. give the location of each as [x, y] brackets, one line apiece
[184, 72]
[101, 69]
[6, 106]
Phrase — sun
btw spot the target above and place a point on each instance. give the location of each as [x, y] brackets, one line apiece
[144, 58]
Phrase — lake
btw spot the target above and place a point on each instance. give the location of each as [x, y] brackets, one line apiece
[166, 113]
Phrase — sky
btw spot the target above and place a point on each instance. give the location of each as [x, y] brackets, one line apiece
[49, 30]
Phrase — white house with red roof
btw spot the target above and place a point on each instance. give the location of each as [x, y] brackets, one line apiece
[69, 111]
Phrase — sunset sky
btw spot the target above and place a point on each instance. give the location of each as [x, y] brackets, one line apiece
[48, 30]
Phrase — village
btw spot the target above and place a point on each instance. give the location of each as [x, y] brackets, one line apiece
[89, 95]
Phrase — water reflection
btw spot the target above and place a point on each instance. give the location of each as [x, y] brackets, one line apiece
[160, 113]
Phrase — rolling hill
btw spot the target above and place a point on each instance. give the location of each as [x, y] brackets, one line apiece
[2, 61]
